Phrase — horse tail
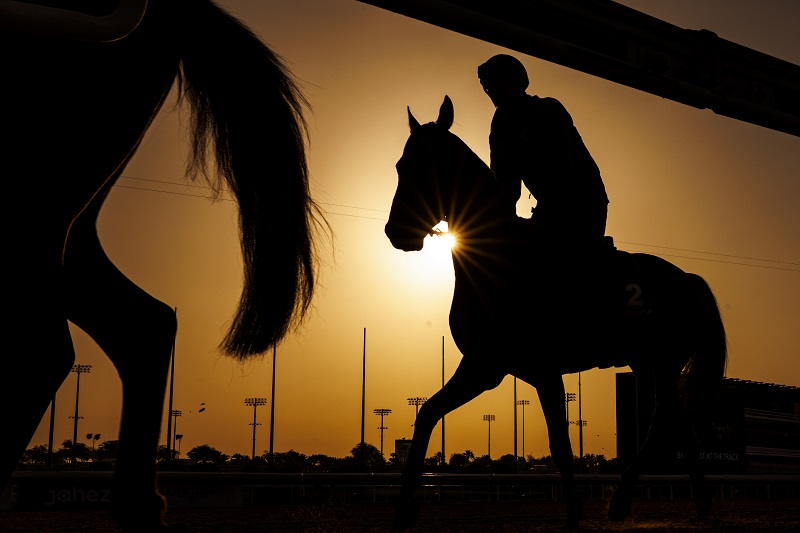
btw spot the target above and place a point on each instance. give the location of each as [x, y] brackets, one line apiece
[705, 370]
[247, 110]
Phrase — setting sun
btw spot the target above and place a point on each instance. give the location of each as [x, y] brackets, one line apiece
[442, 239]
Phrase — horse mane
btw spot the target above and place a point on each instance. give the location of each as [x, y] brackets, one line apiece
[483, 188]
[247, 115]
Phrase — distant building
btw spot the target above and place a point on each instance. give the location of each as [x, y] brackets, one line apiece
[401, 447]
[757, 425]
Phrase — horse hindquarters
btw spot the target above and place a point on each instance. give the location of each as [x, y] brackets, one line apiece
[700, 385]
[73, 111]
[684, 376]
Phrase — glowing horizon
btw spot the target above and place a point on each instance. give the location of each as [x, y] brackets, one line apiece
[679, 179]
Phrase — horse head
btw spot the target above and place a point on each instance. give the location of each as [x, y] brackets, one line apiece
[419, 202]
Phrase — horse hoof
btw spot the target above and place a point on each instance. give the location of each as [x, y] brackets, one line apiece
[135, 515]
[406, 515]
[620, 507]
[703, 506]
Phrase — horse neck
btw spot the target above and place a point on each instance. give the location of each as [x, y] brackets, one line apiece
[478, 210]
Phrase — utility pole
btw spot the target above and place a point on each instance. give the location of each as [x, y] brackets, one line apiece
[171, 393]
[363, 396]
[444, 457]
[515, 424]
[581, 424]
[580, 420]
[50, 437]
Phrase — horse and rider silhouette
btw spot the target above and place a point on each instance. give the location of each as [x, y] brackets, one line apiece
[521, 307]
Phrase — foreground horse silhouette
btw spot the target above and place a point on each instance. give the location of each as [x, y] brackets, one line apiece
[74, 113]
[641, 311]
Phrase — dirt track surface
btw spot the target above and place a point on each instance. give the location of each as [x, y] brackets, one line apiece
[739, 515]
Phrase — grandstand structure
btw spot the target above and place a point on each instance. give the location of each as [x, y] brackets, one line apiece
[756, 428]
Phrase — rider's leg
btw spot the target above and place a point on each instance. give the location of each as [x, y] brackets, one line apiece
[137, 332]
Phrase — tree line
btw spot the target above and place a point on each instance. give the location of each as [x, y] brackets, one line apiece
[364, 457]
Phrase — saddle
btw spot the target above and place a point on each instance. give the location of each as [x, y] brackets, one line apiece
[603, 281]
[624, 285]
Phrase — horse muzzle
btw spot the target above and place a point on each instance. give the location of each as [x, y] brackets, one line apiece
[403, 239]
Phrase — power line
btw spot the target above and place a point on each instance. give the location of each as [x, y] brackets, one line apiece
[711, 253]
[746, 258]
[165, 192]
[728, 262]
[231, 199]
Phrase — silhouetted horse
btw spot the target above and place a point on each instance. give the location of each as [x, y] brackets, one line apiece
[517, 311]
[77, 101]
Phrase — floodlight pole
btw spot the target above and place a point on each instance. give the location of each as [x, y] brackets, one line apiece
[382, 413]
[568, 397]
[175, 413]
[416, 402]
[523, 403]
[78, 369]
[255, 402]
[272, 407]
[489, 419]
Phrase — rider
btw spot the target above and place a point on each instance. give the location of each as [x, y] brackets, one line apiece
[533, 139]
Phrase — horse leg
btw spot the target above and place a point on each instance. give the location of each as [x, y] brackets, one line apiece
[663, 383]
[468, 382]
[551, 396]
[137, 333]
[37, 352]
[690, 431]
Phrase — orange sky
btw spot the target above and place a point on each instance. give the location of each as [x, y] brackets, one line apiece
[715, 196]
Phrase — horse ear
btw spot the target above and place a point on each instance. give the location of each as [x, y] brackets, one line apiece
[412, 122]
[446, 113]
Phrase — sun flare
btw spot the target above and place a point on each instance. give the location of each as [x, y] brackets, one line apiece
[434, 263]
[442, 239]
